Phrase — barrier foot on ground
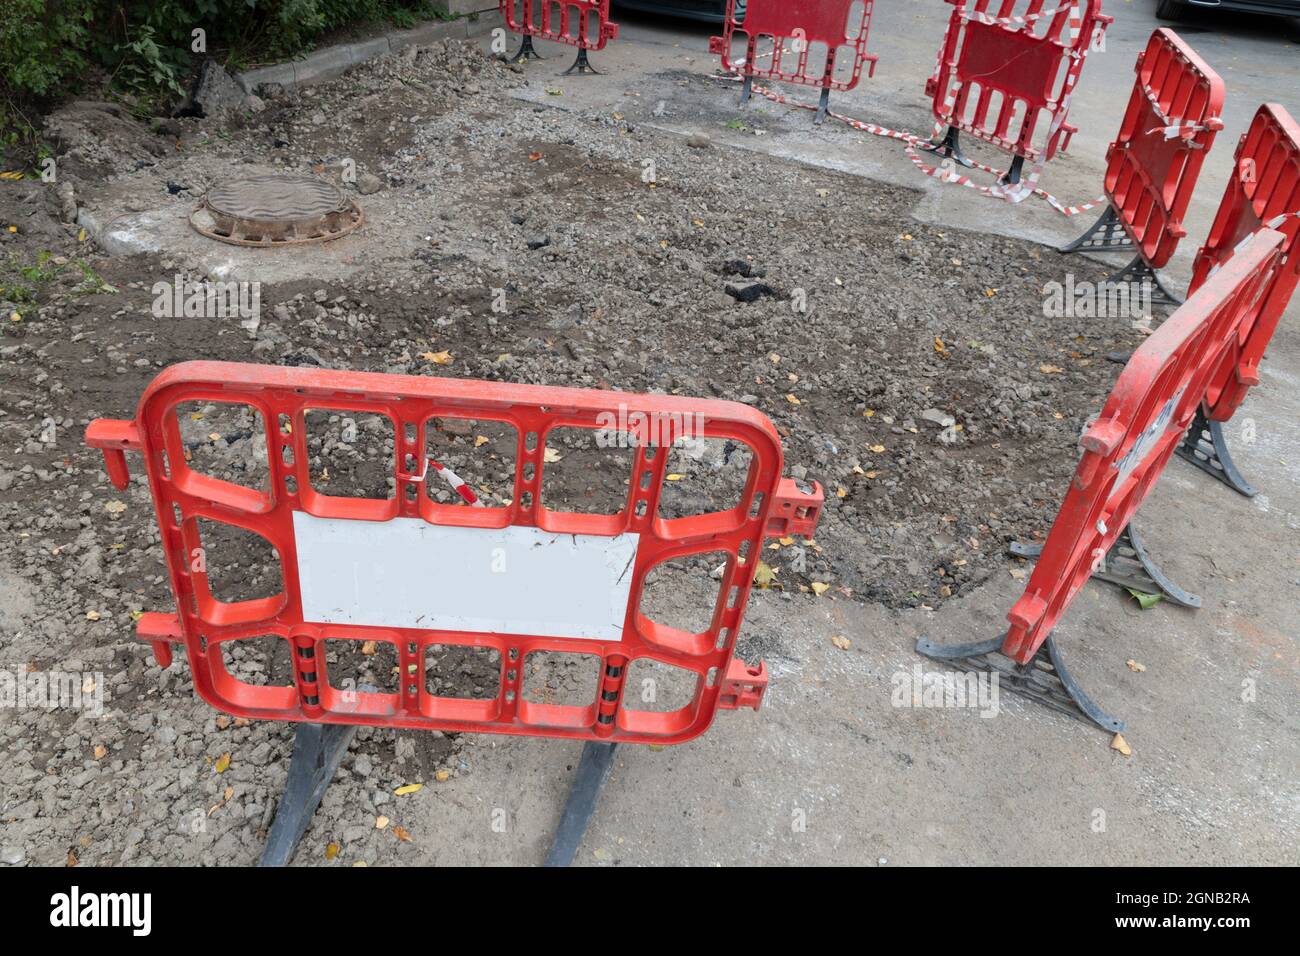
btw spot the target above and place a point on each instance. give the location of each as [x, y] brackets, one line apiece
[526, 51]
[1045, 679]
[588, 781]
[1012, 176]
[950, 147]
[1126, 565]
[1205, 447]
[823, 106]
[1106, 234]
[1138, 272]
[581, 64]
[317, 750]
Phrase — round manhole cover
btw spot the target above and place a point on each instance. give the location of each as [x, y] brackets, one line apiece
[274, 211]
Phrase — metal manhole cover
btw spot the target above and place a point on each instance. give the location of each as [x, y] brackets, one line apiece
[274, 210]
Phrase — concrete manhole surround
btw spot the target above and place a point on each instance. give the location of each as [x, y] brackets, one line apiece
[270, 210]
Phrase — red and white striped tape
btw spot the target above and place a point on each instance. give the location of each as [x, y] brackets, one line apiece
[458, 484]
[1014, 21]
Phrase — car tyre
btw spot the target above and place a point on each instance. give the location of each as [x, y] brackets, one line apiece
[1170, 9]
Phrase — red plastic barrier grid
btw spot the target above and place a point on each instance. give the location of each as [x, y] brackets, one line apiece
[1169, 127]
[817, 33]
[1125, 451]
[1006, 77]
[280, 512]
[1264, 190]
[580, 23]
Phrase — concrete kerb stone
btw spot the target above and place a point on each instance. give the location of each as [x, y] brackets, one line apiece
[334, 61]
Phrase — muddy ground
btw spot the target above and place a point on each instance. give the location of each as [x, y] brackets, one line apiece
[910, 370]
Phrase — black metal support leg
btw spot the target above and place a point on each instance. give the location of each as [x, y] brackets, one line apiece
[581, 64]
[1127, 565]
[593, 770]
[1012, 175]
[526, 51]
[950, 146]
[1205, 447]
[1105, 235]
[1138, 272]
[317, 750]
[823, 105]
[746, 89]
[1045, 679]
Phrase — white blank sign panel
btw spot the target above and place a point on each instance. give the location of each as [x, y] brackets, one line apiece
[408, 573]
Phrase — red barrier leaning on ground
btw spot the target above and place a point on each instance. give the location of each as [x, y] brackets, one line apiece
[581, 23]
[1153, 164]
[1263, 191]
[798, 41]
[1124, 453]
[1006, 77]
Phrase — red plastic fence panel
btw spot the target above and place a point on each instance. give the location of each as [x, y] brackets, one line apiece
[1007, 69]
[1125, 451]
[1264, 190]
[581, 23]
[1170, 125]
[798, 41]
[409, 575]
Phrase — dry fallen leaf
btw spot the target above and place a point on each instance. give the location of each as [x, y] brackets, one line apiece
[442, 776]
[369, 648]
[534, 157]
[222, 764]
[842, 642]
[480, 441]
[409, 788]
[551, 455]
[437, 358]
[92, 615]
[381, 822]
[763, 574]
[1050, 369]
[940, 347]
[1119, 743]
[402, 834]
[1135, 667]
[674, 477]
[100, 751]
[820, 588]
[223, 722]
[792, 399]
[115, 507]
[876, 449]
[332, 850]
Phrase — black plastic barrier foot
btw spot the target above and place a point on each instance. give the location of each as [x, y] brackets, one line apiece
[317, 750]
[1012, 176]
[823, 106]
[746, 90]
[1206, 448]
[1127, 565]
[581, 64]
[1138, 272]
[526, 51]
[593, 770]
[1107, 233]
[1045, 679]
[950, 146]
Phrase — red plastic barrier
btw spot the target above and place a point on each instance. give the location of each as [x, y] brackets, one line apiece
[1264, 191]
[580, 23]
[408, 573]
[1169, 127]
[817, 34]
[1125, 451]
[1006, 77]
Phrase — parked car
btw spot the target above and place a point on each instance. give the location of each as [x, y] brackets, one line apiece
[711, 11]
[1176, 9]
